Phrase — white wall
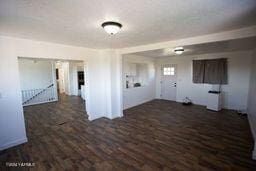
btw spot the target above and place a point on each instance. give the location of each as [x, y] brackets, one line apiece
[74, 68]
[138, 95]
[35, 74]
[252, 102]
[104, 80]
[69, 76]
[235, 93]
[60, 81]
[66, 74]
[12, 127]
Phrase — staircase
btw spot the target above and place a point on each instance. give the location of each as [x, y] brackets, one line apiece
[38, 96]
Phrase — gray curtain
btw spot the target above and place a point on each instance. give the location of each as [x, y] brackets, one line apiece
[212, 71]
[198, 71]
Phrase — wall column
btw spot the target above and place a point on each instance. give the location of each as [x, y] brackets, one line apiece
[104, 93]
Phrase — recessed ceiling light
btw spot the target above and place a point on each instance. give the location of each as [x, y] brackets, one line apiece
[178, 50]
[111, 27]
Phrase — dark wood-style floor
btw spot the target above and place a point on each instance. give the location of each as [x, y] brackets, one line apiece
[158, 135]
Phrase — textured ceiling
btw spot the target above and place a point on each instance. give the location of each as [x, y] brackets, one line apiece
[222, 46]
[77, 22]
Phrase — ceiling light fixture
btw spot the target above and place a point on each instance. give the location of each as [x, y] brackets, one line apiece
[178, 50]
[111, 27]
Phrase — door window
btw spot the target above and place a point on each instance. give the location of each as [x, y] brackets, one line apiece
[168, 71]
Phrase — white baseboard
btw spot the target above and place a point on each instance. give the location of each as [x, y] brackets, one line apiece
[252, 124]
[115, 117]
[91, 118]
[137, 104]
[94, 118]
[13, 143]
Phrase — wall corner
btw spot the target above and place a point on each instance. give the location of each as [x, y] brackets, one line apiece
[254, 152]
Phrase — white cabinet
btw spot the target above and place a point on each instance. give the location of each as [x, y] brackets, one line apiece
[214, 101]
[136, 74]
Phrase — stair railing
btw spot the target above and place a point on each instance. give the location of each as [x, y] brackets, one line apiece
[38, 96]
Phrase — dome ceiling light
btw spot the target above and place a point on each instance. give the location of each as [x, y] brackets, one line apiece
[111, 27]
[178, 50]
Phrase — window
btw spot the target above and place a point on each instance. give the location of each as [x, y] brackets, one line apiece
[172, 70]
[169, 71]
[211, 71]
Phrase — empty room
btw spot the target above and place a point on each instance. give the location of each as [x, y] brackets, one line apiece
[127, 85]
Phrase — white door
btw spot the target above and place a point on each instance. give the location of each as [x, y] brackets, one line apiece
[169, 82]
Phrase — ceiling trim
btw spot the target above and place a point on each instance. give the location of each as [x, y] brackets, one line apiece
[222, 36]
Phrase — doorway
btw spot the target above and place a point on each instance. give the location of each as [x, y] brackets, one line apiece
[169, 82]
[80, 76]
[70, 77]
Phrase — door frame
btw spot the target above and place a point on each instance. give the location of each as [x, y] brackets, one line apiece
[161, 78]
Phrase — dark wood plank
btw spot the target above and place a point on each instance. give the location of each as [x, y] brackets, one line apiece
[158, 135]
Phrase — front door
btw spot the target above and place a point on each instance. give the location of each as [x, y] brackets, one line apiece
[169, 82]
